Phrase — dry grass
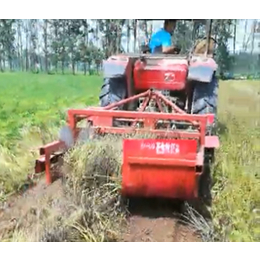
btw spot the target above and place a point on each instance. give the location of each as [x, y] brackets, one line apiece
[236, 191]
[89, 208]
[92, 180]
[237, 184]
[199, 223]
[18, 162]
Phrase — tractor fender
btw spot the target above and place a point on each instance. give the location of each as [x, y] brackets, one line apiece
[202, 69]
[115, 66]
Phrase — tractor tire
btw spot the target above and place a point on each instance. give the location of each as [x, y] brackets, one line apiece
[113, 90]
[205, 99]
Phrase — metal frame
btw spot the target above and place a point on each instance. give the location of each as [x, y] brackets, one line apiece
[102, 119]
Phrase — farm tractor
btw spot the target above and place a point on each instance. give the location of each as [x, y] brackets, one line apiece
[172, 98]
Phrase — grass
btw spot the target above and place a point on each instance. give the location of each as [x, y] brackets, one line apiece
[86, 207]
[237, 183]
[92, 183]
[33, 109]
[39, 100]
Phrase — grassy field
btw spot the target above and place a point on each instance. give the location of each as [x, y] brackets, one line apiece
[32, 108]
[40, 100]
[237, 184]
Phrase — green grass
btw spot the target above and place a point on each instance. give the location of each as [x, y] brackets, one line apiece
[41, 99]
[32, 108]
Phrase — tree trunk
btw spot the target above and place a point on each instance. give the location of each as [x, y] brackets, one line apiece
[234, 38]
[73, 65]
[20, 46]
[244, 39]
[128, 35]
[135, 33]
[145, 29]
[56, 49]
[253, 36]
[1, 67]
[10, 61]
[45, 37]
[85, 68]
[62, 66]
[27, 54]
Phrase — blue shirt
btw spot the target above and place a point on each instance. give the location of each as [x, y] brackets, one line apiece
[161, 38]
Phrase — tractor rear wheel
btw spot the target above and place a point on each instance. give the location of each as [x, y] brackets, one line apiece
[113, 90]
[205, 99]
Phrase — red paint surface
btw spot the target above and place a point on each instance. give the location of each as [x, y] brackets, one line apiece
[153, 76]
[146, 173]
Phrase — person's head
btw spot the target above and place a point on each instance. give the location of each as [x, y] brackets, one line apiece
[170, 25]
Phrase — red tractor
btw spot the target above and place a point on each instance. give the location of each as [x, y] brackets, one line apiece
[172, 97]
[188, 80]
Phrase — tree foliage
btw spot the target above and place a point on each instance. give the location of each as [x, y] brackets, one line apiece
[69, 45]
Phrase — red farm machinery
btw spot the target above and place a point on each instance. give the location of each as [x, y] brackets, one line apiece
[174, 98]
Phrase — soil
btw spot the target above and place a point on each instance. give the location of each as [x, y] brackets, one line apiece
[144, 229]
[153, 220]
[148, 220]
[27, 210]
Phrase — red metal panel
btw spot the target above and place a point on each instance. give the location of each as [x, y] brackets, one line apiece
[44, 162]
[159, 168]
[161, 148]
[163, 74]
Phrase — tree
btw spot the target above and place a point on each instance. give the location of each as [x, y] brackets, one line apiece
[183, 36]
[134, 28]
[55, 26]
[33, 32]
[20, 43]
[45, 28]
[222, 30]
[73, 33]
[83, 45]
[7, 37]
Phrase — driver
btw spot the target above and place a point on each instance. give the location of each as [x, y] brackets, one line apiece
[161, 41]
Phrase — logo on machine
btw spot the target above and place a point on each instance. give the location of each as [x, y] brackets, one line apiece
[168, 77]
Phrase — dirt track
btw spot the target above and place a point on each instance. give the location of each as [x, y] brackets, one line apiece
[148, 220]
[28, 210]
[157, 221]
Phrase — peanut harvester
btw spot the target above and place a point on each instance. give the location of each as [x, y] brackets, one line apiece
[171, 97]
